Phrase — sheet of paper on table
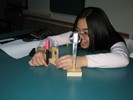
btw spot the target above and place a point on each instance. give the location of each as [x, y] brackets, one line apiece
[18, 48]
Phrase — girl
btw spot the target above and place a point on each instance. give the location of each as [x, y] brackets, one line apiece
[97, 34]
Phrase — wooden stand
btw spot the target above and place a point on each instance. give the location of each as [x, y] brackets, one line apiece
[55, 55]
[74, 72]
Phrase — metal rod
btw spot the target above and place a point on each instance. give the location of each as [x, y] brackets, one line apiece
[75, 43]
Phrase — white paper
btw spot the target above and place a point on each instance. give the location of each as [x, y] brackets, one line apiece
[18, 48]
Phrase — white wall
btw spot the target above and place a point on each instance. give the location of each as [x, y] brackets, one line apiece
[120, 12]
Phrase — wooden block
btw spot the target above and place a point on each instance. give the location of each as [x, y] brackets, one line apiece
[55, 55]
[74, 73]
[52, 61]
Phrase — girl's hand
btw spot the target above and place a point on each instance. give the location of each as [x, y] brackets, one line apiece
[38, 59]
[66, 62]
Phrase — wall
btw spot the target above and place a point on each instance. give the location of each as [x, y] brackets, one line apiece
[2, 6]
[119, 12]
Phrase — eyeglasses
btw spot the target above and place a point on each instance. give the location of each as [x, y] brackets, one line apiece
[83, 34]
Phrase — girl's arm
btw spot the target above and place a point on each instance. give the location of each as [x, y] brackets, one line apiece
[119, 57]
[58, 40]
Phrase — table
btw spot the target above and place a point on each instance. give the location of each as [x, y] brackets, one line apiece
[19, 81]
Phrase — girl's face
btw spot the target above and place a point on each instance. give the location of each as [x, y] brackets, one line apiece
[83, 31]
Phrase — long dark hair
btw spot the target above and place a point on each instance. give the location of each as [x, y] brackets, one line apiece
[101, 33]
